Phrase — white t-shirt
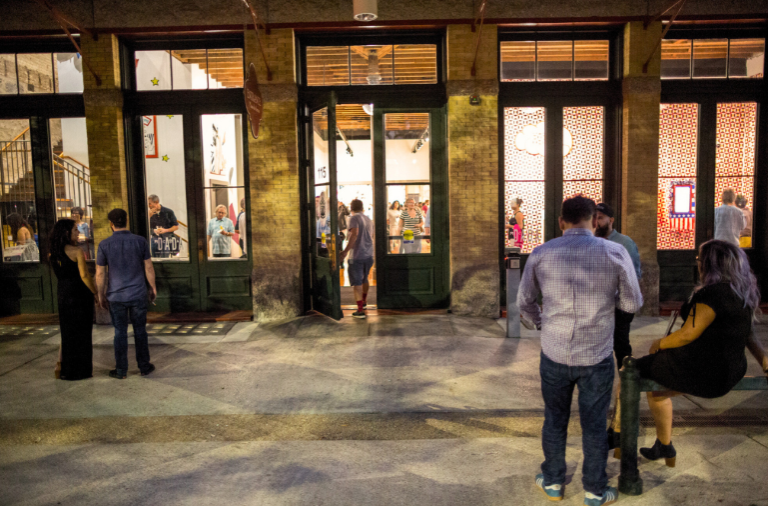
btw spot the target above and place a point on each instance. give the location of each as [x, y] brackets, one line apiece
[393, 215]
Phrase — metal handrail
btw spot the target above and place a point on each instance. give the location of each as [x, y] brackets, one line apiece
[75, 160]
[15, 139]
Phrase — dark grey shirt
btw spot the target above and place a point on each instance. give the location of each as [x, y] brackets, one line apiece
[123, 254]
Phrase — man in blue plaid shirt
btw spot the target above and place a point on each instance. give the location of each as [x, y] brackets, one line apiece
[582, 280]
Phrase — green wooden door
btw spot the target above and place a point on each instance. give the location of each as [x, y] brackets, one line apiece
[320, 201]
[191, 160]
[410, 166]
[27, 193]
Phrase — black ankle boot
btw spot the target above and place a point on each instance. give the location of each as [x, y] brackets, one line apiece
[658, 451]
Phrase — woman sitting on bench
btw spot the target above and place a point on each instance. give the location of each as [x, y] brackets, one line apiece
[705, 358]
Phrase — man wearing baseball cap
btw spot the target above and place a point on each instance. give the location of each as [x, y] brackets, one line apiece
[621, 346]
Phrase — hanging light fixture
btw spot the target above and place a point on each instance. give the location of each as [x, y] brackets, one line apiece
[365, 10]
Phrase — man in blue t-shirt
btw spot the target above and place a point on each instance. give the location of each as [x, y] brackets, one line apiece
[123, 270]
[360, 250]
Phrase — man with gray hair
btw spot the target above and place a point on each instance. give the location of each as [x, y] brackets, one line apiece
[220, 231]
[729, 220]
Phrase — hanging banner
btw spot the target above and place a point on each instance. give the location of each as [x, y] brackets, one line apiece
[253, 102]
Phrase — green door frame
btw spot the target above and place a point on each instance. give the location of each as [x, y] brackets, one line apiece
[199, 284]
[413, 280]
[322, 258]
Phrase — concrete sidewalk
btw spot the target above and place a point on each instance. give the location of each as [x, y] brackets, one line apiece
[389, 410]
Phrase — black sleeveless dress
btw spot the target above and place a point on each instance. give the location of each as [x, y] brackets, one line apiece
[75, 320]
[711, 365]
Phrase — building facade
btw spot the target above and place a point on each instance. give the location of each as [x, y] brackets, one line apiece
[463, 116]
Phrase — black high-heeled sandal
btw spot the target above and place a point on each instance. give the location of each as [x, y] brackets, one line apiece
[658, 451]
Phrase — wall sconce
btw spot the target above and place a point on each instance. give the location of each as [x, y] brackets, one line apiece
[365, 10]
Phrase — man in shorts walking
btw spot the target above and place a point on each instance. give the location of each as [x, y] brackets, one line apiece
[360, 251]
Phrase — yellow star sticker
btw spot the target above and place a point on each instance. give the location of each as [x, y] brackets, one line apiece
[170, 116]
[165, 158]
[155, 81]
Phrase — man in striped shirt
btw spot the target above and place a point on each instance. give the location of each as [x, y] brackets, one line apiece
[582, 280]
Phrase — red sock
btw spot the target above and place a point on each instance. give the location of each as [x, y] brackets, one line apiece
[365, 298]
[360, 305]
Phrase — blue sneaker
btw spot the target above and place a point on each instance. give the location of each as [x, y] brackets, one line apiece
[553, 492]
[610, 496]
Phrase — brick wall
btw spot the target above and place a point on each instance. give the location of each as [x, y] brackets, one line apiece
[274, 183]
[473, 171]
[640, 152]
[104, 124]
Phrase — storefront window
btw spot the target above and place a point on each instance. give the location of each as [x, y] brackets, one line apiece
[676, 205]
[72, 178]
[524, 176]
[583, 155]
[735, 159]
[407, 151]
[189, 69]
[555, 60]
[166, 196]
[18, 215]
[34, 73]
[712, 58]
[371, 65]
[224, 186]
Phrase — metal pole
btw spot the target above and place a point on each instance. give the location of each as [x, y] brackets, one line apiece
[512, 263]
[630, 482]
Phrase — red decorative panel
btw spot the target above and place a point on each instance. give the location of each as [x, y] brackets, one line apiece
[678, 139]
[583, 144]
[735, 152]
[524, 170]
[524, 143]
[532, 208]
[590, 189]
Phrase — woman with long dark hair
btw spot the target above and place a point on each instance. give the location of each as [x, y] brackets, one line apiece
[76, 291]
[705, 358]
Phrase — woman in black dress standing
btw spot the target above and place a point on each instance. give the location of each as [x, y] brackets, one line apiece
[705, 358]
[76, 296]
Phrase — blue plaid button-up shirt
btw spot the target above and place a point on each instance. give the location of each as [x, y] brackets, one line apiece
[582, 279]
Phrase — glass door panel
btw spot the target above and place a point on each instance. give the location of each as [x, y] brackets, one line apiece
[72, 177]
[735, 160]
[678, 162]
[325, 240]
[166, 196]
[224, 186]
[583, 152]
[408, 177]
[524, 184]
[17, 195]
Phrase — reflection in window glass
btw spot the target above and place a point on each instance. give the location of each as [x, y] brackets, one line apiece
[555, 60]
[320, 142]
[415, 64]
[524, 176]
[327, 66]
[678, 140]
[166, 196]
[590, 60]
[746, 58]
[735, 159]
[72, 177]
[371, 65]
[35, 73]
[68, 72]
[8, 83]
[676, 58]
[518, 61]
[407, 152]
[153, 70]
[710, 58]
[18, 216]
[225, 68]
[323, 219]
[224, 185]
[583, 140]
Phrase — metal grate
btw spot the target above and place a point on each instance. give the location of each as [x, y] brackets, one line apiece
[194, 329]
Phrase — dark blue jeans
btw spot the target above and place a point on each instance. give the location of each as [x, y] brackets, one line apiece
[134, 311]
[595, 384]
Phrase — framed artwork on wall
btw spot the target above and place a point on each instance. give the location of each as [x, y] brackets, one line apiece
[150, 136]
